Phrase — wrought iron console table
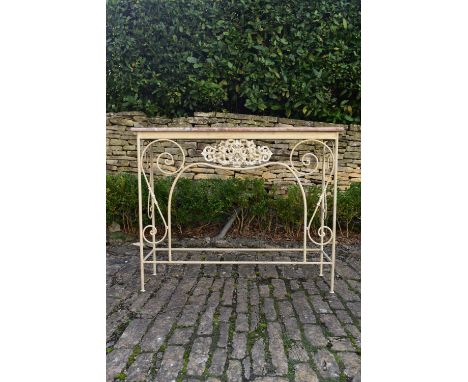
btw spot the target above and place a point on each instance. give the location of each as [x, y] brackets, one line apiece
[317, 156]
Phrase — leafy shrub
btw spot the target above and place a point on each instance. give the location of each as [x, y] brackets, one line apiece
[349, 207]
[201, 202]
[299, 58]
[122, 200]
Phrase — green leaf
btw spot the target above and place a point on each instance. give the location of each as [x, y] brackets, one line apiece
[170, 59]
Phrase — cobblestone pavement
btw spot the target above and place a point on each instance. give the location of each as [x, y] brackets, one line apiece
[262, 323]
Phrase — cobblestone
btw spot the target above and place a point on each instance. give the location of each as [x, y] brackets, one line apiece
[298, 353]
[320, 306]
[198, 356]
[171, 364]
[352, 364]
[279, 291]
[223, 334]
[258, 358]
[155, 337]
[278, 356]
[303, 309]
[156, 303]
[181, 336]
[139, 370]
[341, 344]
[206, 322]
[289, 320]
[326, 364]
[234, 372]
[242, 293]
[254, 317]
[269, 309]
[332, 324]
[232, 323]
[239, 345]
[246, 366]
[228, 292]
[303, 373]
[115, 362]
[264, 291]
[242, 323]
[224, 313]
[218, 361]
[133, 333]
[315, 336]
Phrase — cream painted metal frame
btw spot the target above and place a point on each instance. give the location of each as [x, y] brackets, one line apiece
[237, 152]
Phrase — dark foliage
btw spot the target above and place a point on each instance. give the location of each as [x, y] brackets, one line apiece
[298, 58]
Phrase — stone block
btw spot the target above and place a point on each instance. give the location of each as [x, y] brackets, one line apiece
[206, 176]
[198, 356]
[159, 120]
[121, 121]
[295, 122]
[129, 113]
[224, 172]
[351, 155]
[222, 125]
[203, 114]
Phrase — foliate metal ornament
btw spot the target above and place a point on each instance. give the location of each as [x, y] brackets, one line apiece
[237, 153]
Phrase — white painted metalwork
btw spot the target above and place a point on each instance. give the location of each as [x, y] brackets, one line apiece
[238, 153]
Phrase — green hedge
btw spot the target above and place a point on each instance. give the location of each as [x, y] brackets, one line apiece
[212, 201]
[298, 58]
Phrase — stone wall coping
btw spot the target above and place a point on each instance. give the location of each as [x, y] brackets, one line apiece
[240, 129]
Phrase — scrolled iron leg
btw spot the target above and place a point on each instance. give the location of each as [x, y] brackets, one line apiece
[140, 217]
[335, 192]
[322, 209]
[152, 206]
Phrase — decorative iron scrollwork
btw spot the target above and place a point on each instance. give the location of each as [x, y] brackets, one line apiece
[237, 153]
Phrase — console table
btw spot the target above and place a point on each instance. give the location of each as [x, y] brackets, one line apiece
[313, 154]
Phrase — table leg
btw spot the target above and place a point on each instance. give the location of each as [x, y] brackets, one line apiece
[323, 196]
[335, 192]
[153, 215]
[140, 217]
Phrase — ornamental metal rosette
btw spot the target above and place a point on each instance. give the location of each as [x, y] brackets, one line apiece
[237, 153]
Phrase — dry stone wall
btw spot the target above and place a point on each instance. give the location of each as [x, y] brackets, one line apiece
[121, 145]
